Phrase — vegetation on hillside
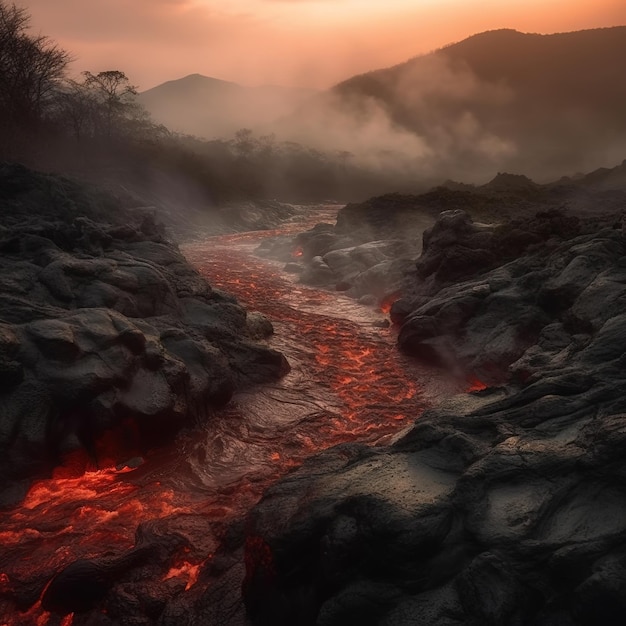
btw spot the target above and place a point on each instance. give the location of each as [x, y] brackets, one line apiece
[542, 105]
[94, 126]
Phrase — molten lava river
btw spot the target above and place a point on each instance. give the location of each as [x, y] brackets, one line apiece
[121, 545]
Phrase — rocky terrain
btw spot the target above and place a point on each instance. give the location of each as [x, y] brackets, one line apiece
[186, 209]
[501, 506]
[104, 326]
[370, 252]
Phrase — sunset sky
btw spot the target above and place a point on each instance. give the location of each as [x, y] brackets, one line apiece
[310, 43]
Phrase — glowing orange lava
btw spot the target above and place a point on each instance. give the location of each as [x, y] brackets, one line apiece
[361, 369]
[387, 302]
[185, 570]
[348, 381]
[474, 384]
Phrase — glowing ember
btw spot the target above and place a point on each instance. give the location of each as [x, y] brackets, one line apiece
[359, 388]
[475, 385]
[84, 488]
[185, 570]
[387, 302]
[297, 253]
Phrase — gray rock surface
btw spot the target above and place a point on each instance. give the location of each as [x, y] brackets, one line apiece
[102, 320]
[375, 246]
[505, 506]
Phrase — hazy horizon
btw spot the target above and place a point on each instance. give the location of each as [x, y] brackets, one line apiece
[296, 43]
[539, 105]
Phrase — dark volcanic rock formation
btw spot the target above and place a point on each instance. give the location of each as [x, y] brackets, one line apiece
[102, 320]
[371, 251]
[567, 281]
[506, 506]
[490, 318]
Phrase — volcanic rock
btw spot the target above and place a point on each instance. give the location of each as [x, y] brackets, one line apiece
[505, 506]
[465, 229]
[318, 273]
[103, 319]
[489, 320]
[293, 268]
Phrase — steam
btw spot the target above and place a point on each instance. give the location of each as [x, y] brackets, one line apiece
[417, 124]
[424, 125]
[417, 121]
[216, 109]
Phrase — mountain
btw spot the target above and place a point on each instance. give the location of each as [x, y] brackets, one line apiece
[544, 105]
[208, 107]
[606, 178]
[570, 61]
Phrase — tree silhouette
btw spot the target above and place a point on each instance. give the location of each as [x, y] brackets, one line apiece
[116, 95]
[31, 71]
[243, 143]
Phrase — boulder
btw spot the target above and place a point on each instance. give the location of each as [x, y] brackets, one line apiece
[318, 273]
[504, 506]
[103, 320]
[259, 326]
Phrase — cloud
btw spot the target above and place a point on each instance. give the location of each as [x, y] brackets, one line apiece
[304, 42]
[151, 40]
[423, 128]
[153, 22]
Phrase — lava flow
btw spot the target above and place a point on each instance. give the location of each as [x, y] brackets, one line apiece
[150, 528]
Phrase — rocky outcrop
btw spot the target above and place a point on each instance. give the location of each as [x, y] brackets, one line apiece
[103, 321]
[464, 230]
[374, 268]
[509, 511]
[504, 506]
[366, 254]
[487, 321]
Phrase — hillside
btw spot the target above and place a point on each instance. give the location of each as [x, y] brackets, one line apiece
[208, 107]
[565, 65]
[544, 105]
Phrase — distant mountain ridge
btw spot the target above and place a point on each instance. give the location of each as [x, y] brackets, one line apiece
[210, 107]
[507, 53]
[502, 100]
[545, 104]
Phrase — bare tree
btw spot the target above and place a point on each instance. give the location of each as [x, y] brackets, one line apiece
[116, 95]
[244, 143]
[77, 110]
[102, 107]
[31, 69]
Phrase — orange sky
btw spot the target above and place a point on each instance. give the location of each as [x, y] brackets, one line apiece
[311, 43]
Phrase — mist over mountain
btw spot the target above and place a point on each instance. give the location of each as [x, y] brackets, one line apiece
[542, 105]
[209, 107]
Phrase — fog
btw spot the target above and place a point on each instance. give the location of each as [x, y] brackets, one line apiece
[416, 125]
[414, 121]
[543, 106]
[427, 120]
[211, 108]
